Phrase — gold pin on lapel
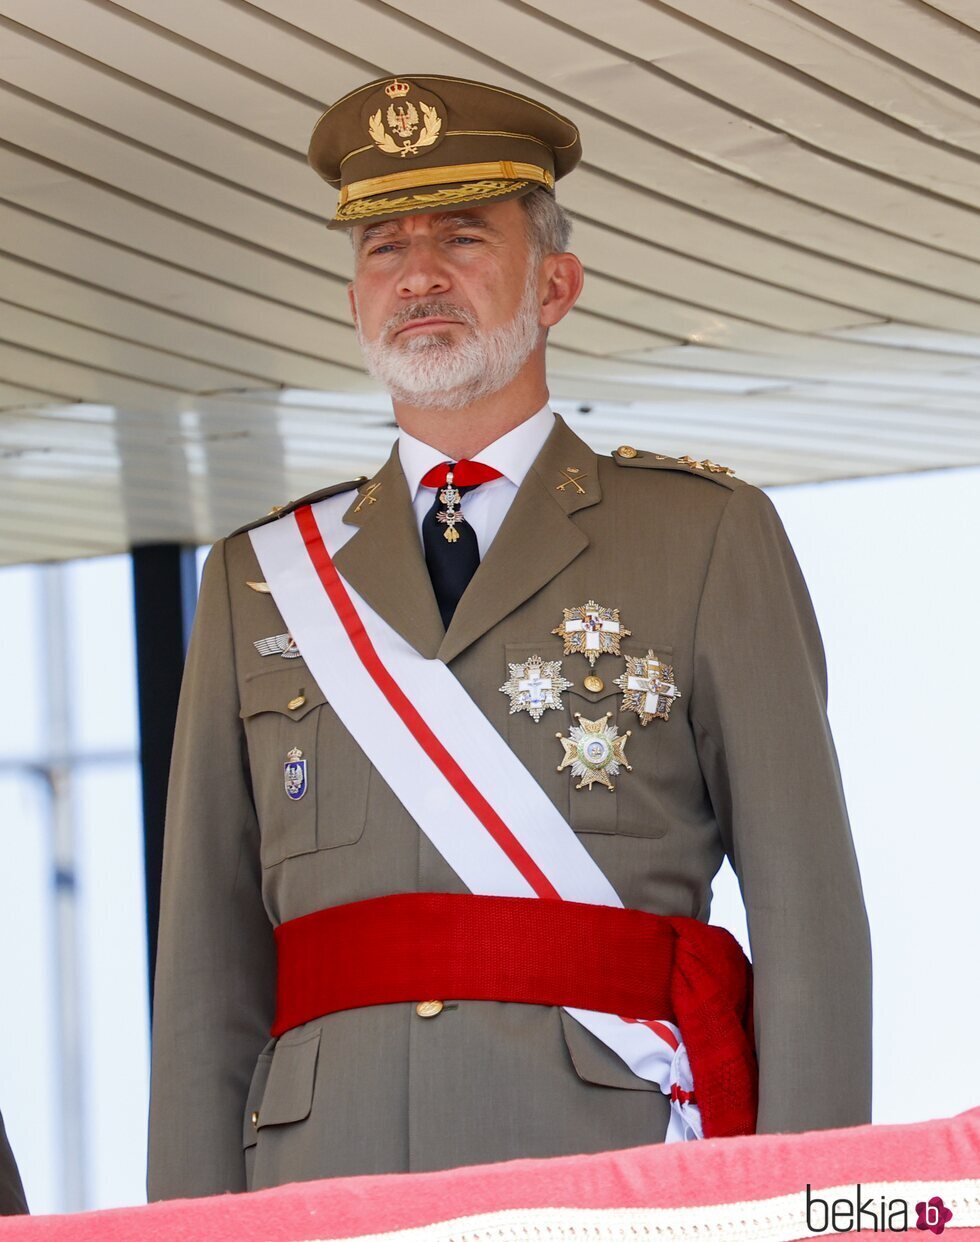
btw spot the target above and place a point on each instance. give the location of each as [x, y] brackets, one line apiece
[263, 588]
[367, 497]
[573, 478]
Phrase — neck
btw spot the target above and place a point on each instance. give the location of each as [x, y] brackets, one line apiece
[463, 432]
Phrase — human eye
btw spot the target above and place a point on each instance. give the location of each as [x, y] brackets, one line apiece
[382, 248]
[464, 239]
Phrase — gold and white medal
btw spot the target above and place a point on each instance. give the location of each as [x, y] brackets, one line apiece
[594, 751]
[648, 687]
[591, 630]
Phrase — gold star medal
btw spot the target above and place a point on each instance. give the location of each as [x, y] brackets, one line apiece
[594, 751]
[534, 686]
[592, 630]
[648, 687]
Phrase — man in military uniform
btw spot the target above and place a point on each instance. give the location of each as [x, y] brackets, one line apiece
[385, 677]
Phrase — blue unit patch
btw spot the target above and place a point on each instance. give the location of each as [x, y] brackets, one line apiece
[294, 774]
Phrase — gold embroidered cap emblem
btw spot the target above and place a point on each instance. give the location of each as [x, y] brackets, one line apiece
[648, 687]
[591, 630]
[401, 125]
[594, 751]
[534, 686]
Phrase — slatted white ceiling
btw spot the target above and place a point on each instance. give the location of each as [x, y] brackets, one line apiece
[777, 209]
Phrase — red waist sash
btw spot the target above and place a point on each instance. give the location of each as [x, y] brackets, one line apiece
[641, 966]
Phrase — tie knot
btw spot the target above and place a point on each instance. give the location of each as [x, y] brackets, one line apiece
[465, 474]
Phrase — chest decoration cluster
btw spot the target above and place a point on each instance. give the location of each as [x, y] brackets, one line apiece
[534, 686]
[591, 630]
[594, 750]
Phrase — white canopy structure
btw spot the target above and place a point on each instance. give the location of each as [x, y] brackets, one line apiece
[777, 210]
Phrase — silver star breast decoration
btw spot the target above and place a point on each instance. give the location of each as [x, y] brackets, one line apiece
[535, 686]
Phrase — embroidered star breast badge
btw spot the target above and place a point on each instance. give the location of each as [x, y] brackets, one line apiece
[535, 686]
[591, 630]
[648, 687]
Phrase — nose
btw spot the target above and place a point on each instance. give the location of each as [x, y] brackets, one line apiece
[423, 274]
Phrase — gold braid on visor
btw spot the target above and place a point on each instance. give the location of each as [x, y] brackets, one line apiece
[512, 170]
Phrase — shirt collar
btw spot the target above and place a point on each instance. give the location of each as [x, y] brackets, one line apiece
[512, 454]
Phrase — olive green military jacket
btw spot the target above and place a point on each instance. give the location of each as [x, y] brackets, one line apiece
[701, 570]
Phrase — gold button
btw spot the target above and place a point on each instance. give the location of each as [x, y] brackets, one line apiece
[428, 1009]
[255, 1120]
[296, 703]
[595, 684]
[627, 450]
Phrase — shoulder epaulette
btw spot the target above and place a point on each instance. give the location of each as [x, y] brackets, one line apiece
[278, 511]
[626, 455]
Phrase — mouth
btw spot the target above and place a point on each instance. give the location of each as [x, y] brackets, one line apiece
[428, 325]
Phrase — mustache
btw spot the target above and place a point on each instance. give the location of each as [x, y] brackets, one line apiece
[428, 310]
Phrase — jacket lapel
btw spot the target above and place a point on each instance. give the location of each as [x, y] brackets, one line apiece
[536, 541]
[384, 562]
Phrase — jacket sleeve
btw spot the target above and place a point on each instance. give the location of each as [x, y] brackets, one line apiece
[215, 971]
[758, 706]
[13, 1201]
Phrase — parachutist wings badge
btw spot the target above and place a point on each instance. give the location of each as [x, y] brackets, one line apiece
[534, 686]
[648, 687]
[591, 630]
[278, 644]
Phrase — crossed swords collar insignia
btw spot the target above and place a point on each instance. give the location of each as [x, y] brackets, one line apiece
[594, 749]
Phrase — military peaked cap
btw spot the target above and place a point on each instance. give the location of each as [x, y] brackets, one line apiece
[403, 145]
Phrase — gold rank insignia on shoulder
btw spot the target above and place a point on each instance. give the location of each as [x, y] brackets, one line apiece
[279, 644]
[711, 466]
[535, 686]
[591, 630]
[648, 687]
[594, 751]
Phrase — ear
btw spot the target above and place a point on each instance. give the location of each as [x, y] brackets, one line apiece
[352, 302]
[560, 279]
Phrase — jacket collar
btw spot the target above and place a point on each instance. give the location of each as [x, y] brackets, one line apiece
[385, 564]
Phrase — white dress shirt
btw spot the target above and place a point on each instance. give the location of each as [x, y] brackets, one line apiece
[486, 507]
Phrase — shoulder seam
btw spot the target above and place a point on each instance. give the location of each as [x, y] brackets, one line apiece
[280, 511]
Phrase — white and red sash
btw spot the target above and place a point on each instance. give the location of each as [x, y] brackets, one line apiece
[450, 768]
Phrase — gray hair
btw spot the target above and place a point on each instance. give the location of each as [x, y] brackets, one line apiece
[549, 226]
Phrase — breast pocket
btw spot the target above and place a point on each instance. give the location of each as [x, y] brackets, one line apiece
[309, 777]
[630, 808]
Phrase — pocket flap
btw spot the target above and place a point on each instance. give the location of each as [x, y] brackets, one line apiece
[596, 1063]
[253, 1102]
[273, 691]
[289, 1089]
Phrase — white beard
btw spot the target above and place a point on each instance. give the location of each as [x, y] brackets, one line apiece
[436, 370]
